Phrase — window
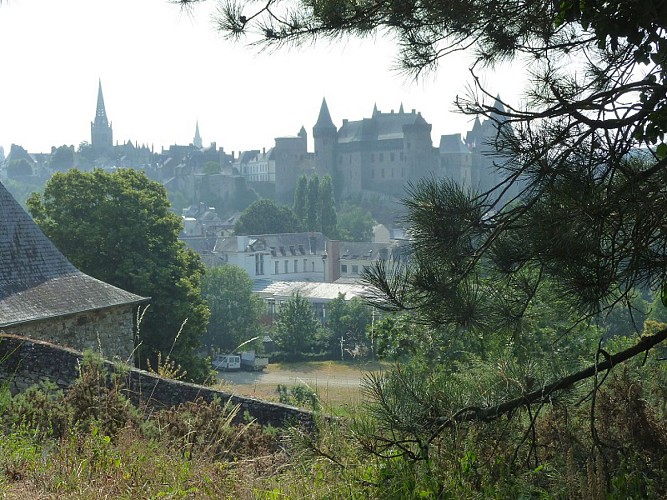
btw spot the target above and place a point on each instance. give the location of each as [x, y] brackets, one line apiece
[259, 264]
[381, 156]
[296, 266]
[286, 264]
[313, 266]
[305, 265]
[391, 157]
[343, 268]
[277, 271]
[355, 269]
[372, 157]
[372, 173]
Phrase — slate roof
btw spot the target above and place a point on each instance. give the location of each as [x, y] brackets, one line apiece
[37, 282]
[382, 126]
[360, 250]
[284, 244]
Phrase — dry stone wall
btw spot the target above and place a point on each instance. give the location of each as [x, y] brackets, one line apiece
[26, 362]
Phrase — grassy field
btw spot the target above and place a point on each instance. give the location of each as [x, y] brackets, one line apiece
[336, 384]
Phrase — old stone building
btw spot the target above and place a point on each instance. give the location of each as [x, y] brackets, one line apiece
[43, 296]
[381, 153]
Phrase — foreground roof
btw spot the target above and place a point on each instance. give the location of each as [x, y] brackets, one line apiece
[37, 282]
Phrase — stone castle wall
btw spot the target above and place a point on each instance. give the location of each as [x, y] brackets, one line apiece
[26, 362]
[95, 330]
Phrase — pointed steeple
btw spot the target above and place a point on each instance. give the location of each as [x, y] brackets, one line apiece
[100, 130]
[324, 118]
[400, 110]
[375, 110]
[100, 112]
[197, 140]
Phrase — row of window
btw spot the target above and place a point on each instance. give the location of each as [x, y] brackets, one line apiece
[382, 175]
[259, 265]
[354, 268]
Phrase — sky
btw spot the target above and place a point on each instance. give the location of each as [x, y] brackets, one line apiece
[162, 70]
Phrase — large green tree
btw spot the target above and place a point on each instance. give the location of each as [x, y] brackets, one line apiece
[118, 228]
[314, 205]
[347, 320]
[300, 198]
[266, 217]
[296, 331]
[328, 216]
[235, 310]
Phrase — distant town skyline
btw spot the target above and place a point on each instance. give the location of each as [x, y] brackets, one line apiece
[164, 70]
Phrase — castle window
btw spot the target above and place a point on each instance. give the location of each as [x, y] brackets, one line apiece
[276, 271]
[296, 266]
[286, 264]
[305, 265]
[355, 269]
[401, 156]
[381, 156]
[391, 157]
[372, 157]
[343, 268]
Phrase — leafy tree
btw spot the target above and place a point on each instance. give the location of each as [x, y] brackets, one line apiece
[266, 217]
[314, 205]
[211, 167]
[300, 198]
[118, 228]
[235, 310]
[355, 224]
[296, 331]
[62, 158]
[348, 319]
[328, 208]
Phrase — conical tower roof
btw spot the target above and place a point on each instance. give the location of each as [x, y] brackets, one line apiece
[324, 118]
[37, 282]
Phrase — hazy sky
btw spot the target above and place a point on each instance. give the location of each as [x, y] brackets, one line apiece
[163, 69]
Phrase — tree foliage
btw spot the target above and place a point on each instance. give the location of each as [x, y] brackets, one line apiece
[300, 198]
[296, 330]
[349, 320]
[266, 217]
[235, 310]
[355, 224]
[328, 216]
[117, 227]
[313, 205]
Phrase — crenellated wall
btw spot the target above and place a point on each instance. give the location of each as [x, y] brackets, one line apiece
[25, 362]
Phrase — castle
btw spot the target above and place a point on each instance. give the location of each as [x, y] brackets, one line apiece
[379, 154]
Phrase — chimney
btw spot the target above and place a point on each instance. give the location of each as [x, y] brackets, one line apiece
[332, 261]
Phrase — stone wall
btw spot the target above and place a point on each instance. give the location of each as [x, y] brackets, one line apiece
[26, 362]
[108, 331]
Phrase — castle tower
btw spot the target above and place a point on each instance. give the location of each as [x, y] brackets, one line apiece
[325, 136]
[196, 142]
[101, 133]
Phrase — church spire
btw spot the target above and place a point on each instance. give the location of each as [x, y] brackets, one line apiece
[197, 140]
[100, 130]
[100, 112]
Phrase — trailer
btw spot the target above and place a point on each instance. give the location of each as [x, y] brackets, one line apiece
[227, 362]
[251, 362]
